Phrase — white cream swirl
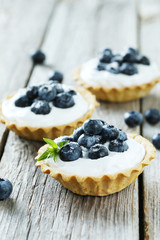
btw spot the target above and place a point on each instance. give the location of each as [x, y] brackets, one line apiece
[90, 75]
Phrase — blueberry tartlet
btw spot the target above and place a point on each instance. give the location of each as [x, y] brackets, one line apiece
[118, 77]
[97, 159]
[48, 110]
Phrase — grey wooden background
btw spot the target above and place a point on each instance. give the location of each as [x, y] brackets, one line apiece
[70, 32]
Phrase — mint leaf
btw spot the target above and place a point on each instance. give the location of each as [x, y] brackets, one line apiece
[50, 142]
[61, 144]
[44, 155]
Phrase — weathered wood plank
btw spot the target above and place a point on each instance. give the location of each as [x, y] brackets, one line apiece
[40, 207]
[22, 26]
[150, 34]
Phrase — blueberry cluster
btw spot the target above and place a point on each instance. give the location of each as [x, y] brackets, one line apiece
[90, 140]
[41, 98]
[152, 116]
[117, 63]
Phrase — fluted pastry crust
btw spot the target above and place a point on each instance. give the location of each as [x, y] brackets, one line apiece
[104, 184]
[38, 133]
[123, 94]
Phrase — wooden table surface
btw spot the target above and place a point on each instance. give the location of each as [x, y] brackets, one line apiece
[70, 32]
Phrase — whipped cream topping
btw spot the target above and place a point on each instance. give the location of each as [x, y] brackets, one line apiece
[56, 117]
[89, 74]
[111, 164]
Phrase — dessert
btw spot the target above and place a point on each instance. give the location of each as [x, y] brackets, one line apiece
[118, 77]
[98, 159]
[48, 110]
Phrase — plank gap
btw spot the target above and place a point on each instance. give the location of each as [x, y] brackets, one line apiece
[141, 207]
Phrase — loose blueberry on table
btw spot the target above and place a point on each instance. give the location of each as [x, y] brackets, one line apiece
[95, 138]
[38, 57]
[152, 116]
[41, 99]
[156, 141]
[133, 118]
[121, 63]
[5, 188]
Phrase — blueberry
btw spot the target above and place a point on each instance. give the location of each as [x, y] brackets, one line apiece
[97, 151]
[47, 92]
[133, 118]
[63, 100]
[113, 67]
[5, 188]
[38, 57]
[23, 101]
[70, 152]
[129, 57]
[117, 58]
[109, 133]
[32, 92]
[117, 146]
[106, 56]
[152, 116]
[143, 60]
[77, 133]
[122, 136]
[133, 51]
[40, 107]
[70, 139]
[72, 92]
[92, 126]
[101, 67]
[156, 141]
[88, 141]
[59, 88]
[128, 69]
[57, 76]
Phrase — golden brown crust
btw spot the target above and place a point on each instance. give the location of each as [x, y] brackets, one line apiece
[38, 133]
[123, 94]
[103, 185]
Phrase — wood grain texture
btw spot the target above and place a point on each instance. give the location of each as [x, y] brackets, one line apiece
[39, 207]
[150, 34]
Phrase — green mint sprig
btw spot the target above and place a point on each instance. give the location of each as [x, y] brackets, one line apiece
[53, 149]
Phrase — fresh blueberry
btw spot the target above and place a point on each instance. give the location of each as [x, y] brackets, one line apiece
[97, 151]
[106, 56]
[40, 107]
[128, 69]
[47, 92]
[133, 51]
[70, 152]
[101, 67]
[57, 76]
[59, 88]
[117, 58]
[156, 141]
[77, 133]
[129, 57]
[152, 116]
[92, 127]
[32, 92]
[143, 60]
[133, 118]
[109, 133]
[88, 141]
[113, 67]
[122, 136]
[23, 101]
[63, 100]
[72, 92]
[117, 146]
[5, 188]
[38, 57]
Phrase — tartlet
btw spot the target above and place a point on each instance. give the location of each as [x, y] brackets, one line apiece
[34, 125]
[118, 78]
[99, 174]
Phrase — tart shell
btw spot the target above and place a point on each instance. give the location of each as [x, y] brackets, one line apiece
[104, 184]
[123, 94]
[38, 133]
